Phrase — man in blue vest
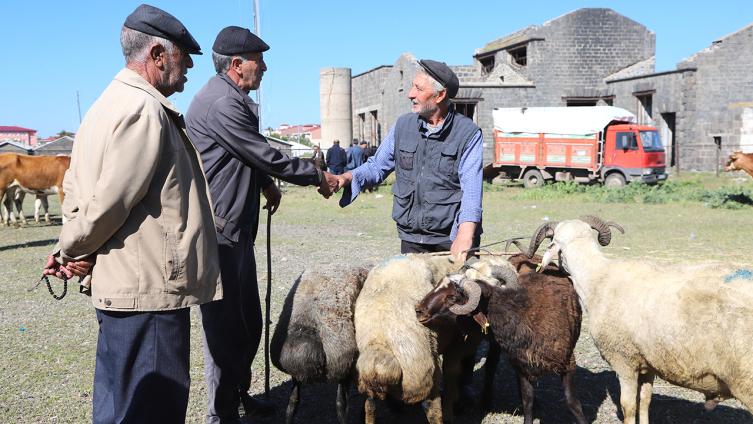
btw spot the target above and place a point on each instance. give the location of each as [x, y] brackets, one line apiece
[436, 154]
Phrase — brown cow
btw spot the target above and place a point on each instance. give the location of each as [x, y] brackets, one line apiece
[33, 174]
[739, 161]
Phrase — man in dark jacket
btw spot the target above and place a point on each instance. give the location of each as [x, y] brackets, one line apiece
[336, 158]
[239, 163]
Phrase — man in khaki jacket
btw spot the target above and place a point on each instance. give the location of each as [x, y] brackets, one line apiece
[138, 205]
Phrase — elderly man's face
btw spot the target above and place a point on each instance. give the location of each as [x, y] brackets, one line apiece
[252, 72]
[176, 68]
[422, 96]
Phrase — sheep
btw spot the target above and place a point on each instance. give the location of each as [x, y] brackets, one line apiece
[397, 355]
[314, 340]
[690, 325]
[534, 318]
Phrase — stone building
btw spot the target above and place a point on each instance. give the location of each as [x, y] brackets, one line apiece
[588, 57]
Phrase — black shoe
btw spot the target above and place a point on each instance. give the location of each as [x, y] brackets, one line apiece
[255, 407]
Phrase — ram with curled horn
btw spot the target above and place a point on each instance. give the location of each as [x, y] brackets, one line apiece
[687, 324]
[534, 318]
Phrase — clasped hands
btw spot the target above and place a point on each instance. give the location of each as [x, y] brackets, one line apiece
[70, 269]
[333, 183]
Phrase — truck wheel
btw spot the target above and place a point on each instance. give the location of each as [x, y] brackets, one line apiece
[533, 178]
[614, 181]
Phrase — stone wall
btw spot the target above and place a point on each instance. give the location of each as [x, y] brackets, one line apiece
[723, 80]
[598, 54]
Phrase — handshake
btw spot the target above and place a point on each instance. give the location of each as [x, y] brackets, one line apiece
[333, 183]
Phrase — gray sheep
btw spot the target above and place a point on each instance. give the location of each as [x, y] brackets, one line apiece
[314, 340]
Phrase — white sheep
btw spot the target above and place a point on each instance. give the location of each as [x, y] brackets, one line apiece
[690, 325]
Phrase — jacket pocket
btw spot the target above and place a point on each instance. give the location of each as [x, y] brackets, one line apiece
[440, 208]
[402, 203]
[172, 257]
[448, 158]
[406, 152]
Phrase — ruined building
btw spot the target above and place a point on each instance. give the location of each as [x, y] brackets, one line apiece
[584, 58]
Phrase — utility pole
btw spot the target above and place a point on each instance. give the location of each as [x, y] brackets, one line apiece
[79, 108]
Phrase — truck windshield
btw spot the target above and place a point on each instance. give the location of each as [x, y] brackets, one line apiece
[651, 141]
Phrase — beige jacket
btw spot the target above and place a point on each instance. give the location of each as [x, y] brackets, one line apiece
[136, 196]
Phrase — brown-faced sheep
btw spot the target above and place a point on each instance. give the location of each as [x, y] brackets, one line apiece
[690, 325]
[535, 319]
[314, 340]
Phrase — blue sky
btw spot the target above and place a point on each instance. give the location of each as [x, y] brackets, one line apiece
[51, 49]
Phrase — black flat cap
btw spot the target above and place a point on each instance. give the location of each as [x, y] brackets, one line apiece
[442, 73]
[153, 21]
[237, 40]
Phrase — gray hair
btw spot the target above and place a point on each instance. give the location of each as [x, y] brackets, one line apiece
[222, 62]
[136, 44]
[436, 86]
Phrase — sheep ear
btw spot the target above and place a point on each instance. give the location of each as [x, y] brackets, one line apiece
[552, 250]
[482, 321]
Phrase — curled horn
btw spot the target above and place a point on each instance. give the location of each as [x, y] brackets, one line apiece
[598, 224]
[505, 274]
[474, 295]
[544, 231]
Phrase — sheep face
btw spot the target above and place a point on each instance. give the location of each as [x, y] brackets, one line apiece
[434, 308]
[566, 232]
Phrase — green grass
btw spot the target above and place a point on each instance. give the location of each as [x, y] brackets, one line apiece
[46, 370]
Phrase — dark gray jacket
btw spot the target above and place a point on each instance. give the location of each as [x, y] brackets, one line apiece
[222, 122]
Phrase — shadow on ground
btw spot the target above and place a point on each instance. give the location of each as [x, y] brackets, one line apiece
[594, 388]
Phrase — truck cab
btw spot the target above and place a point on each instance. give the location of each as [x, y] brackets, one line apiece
[630, 153]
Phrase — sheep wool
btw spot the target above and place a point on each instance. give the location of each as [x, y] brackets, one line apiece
[690, 325]
[314, 340]
[398, 355]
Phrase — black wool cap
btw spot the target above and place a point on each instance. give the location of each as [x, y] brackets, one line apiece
[153, 21]
[237, 40]
[442, 73]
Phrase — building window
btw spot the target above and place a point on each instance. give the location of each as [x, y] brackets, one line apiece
[519, 55]
[644, 107]
[374, 127]
[582, 102]
[361, 125]
[467, 109]
[487, 64]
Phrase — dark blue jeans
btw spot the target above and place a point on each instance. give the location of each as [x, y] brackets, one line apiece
[141, 374]
[232, 329]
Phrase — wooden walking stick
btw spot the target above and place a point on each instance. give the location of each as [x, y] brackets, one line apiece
[268, 301]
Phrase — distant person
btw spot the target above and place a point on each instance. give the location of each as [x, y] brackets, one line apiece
[355, 156]
[366, 151]
[137, 202]
[239, 164]
[318, 158]
[336, 158]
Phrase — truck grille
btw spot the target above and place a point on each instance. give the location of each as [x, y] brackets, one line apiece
[659, 170]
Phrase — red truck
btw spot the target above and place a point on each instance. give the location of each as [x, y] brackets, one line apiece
[583, 144]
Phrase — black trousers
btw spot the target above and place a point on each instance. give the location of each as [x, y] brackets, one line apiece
[232, 329]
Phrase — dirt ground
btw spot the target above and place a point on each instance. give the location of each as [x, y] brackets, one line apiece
[47, 361]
